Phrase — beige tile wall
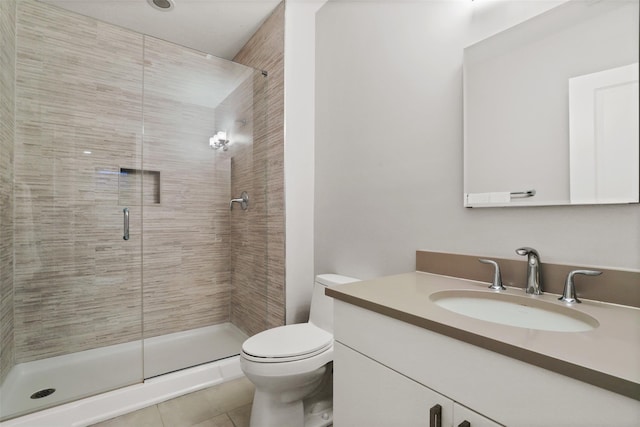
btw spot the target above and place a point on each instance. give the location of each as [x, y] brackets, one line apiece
[7, 119]
[187, 268]
[265, 51]
[248, 227]
[77, 282]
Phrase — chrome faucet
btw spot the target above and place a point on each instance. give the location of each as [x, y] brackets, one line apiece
[534, 286]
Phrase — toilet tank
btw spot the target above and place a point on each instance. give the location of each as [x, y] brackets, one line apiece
[321, 313]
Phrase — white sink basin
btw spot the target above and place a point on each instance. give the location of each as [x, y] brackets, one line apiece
[520, 311]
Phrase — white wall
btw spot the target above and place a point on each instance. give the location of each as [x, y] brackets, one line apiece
[299, 80]
[388, 152]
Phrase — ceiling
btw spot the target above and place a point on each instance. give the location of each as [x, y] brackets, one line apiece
[218, 27]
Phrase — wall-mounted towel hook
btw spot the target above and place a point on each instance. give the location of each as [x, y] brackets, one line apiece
[243, 200]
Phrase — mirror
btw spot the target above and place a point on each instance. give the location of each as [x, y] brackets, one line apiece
[551, 109]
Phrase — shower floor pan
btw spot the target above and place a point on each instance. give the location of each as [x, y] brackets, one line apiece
[86, 373]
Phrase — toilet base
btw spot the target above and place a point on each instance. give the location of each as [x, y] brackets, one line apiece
[318, 407]
[318, 414]
[268, 412]
[294, 414]
[289, 410]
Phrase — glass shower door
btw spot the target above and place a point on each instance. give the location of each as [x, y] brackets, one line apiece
[188, 269]
[77, 298]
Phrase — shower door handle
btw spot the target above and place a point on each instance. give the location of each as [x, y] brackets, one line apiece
[125, 211]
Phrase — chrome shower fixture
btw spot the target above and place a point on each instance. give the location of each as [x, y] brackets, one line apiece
[219, 140]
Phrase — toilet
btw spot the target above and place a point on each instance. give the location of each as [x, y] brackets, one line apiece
[291, 366]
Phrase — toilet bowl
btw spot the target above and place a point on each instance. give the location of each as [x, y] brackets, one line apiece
[291, 366]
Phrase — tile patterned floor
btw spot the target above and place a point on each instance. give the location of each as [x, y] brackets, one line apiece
[225, 405]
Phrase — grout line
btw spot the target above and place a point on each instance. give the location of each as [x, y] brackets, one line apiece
[160, 413]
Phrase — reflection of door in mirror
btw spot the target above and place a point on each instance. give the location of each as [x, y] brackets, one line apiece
[603, 136]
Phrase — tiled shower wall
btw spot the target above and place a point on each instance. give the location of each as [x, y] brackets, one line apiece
[248, 227]
[7, 98]
[77, 282]
[78, 89]
[187, 281]
[265, 51]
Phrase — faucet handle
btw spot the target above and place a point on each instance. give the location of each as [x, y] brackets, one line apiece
[526, 250]
[569, 294]
[497, 277]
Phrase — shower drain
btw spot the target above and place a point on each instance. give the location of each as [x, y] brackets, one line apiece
[43, 393]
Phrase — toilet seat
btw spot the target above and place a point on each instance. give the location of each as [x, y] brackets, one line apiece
[287, 343]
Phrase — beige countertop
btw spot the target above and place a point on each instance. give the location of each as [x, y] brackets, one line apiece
[607, 356]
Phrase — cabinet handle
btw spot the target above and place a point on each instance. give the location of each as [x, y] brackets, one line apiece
[435, 416]
[465, 423]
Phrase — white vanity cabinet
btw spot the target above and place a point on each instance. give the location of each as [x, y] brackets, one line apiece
[370, 394]
[388, 372]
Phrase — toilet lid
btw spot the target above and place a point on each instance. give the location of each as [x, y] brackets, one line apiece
[288, 341]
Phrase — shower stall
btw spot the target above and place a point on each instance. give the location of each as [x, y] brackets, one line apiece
[120, 257]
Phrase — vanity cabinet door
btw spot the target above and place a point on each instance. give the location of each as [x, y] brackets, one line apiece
[465, 417]
[367, 393]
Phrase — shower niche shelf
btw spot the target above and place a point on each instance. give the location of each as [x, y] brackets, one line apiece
[133, 181]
